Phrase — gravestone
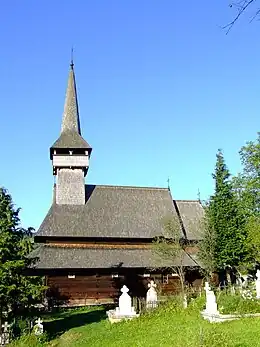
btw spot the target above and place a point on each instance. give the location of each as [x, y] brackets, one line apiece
[185, 301]
[125, 302]
[124, 310]
[257, 284]
[38, 328]
[151, 295]
[211, 303]
[5, 334]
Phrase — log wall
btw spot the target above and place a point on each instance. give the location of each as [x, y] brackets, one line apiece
[105, 288]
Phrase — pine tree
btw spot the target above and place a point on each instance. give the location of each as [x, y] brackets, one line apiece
[17, 291]
[226, 220]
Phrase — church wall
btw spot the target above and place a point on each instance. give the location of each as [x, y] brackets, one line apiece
[99, 288]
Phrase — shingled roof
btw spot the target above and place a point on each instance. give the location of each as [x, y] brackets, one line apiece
[121, 212]
[191, 213]
[70, 137]
[111, 211]
[51, 257]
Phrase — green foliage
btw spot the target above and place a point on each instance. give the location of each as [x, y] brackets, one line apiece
[17, 291]
[225, 222]
[232, 304]
[247, 188]
[247, 184]
[30, 340]
[207, 248]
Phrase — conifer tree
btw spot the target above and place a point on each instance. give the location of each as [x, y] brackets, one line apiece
[17, 291]
[225, 220]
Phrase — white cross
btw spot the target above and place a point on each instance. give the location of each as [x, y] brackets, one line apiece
[152, 284]
[258, 275]
[38, 321]
[207, 287]
[5, 326]
[124, 289]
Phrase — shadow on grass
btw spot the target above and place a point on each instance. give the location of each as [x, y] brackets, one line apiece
[59, 326]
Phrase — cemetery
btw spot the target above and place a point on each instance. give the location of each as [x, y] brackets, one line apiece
[196, 321]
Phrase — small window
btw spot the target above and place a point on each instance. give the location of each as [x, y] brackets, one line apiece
[146, 275]
[71, 276]
[165, 279]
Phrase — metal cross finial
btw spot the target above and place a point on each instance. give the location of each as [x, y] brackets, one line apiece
[199, 195]
[71, 60]
[168, 181]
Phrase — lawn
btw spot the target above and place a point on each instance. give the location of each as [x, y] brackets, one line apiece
[167, 326]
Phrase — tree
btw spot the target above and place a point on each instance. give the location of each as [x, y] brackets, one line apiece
[225, 219]
[17, 292]
[247, 184]
[169, 248]
[247, 188]
[241, 7]
[207, 246]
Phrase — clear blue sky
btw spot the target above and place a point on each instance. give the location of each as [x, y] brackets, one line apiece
[161, 88]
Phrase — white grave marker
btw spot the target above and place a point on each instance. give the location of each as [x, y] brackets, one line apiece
[38, 328]
[211, 304]
[151, 295]
[257, 284]
[125, 309]
[4, 338]
[125, 302]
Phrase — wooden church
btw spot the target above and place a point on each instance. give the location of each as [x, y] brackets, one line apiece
[95, 238]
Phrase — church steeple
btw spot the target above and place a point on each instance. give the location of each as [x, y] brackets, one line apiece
[70, 121]
[70, 136]
[70, 153]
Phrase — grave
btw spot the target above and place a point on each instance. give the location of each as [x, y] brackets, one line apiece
[257, 284]
[211, 310]
[125, 311]
[38, 328]
[5, 334]
[151, 296]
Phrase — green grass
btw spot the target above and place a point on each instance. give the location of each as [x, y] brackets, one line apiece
[169, 325]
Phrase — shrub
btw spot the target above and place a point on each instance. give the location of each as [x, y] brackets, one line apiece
[228, 304]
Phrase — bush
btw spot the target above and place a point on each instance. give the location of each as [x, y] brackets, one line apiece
[229, 304]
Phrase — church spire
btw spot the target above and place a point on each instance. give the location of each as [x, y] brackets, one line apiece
[70, 153]
[70, 121]
[70, 136]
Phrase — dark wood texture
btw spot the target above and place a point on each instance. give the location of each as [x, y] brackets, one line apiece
[85, 289]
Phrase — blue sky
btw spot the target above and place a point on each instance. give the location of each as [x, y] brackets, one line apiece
[161, 88]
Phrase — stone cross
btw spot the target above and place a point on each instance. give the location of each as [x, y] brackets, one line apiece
[125, 302]
[5, 327]
[4, 338]
[38, 328]
[211, 304]
[207, 287]
[257, 284]
[151, 295]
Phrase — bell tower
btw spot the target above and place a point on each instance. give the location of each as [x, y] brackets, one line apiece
[70, 153]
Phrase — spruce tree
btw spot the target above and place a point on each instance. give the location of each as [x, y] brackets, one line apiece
[226, 220]
[17, 291]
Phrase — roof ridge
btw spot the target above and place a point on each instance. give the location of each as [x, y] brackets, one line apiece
[186, 200]
[126, 187]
